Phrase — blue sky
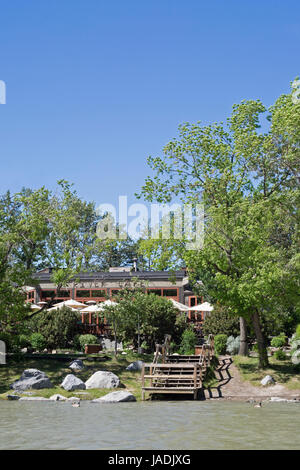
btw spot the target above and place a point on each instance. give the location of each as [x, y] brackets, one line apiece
[94, 86]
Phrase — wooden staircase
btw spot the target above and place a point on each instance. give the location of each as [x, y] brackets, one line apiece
[178, 374]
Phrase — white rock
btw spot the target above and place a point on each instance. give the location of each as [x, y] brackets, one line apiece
[33, 399]
[267, 380]
[71, 382]
[103, 379]
[57, 397]
[77, 365]
[116, 397]
[135, 366]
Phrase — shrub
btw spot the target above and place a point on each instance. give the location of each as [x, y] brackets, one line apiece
[188, 341]
[233, 345]
[220, 321]
[87, 339]
[38, 341]
[278, 341]
[220, 344]
[58, 326]
[298, 331]
[24, 341]
[280, 355]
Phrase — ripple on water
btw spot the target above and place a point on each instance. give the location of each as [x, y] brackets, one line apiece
[149, 425]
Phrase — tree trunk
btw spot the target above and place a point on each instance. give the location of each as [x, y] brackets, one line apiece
[262, 350]
[116, 345]
[243, 351]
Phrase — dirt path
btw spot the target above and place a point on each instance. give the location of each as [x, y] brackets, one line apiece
[232, 387]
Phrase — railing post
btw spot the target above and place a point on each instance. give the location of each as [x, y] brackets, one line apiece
[143, 382]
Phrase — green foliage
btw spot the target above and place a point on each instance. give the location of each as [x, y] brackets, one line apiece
[278, 341]
[233, 345]
[24, 341]
[280, 355]
[58, 326]
[220, 344]
[221, 321]
[298, 331]
[140, 316]
[87, 339]
[247, 181]
[188, 341]
[38, 341]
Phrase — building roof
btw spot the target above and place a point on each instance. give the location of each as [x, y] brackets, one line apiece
[45, 275]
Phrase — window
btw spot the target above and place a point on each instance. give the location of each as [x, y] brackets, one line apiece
[83, 293]
[98, 293]
[63, 293]
[170, 292]
[155, 291]
[114, 291]
[48, 294]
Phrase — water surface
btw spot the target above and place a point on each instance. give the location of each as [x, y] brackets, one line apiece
[149, 425]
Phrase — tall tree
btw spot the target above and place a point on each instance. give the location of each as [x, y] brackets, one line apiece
[248, 182]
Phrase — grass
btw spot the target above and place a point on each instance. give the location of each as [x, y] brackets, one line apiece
[283, 372]
[56, 370]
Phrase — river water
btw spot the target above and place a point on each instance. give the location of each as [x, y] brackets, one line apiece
[149, 425]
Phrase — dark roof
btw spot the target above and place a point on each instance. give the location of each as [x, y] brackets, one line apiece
[115, 276]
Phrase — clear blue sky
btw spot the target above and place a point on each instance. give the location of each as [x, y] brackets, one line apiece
[95, 86]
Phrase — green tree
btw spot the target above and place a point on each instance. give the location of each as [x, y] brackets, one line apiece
[249, 185]
[58, 327]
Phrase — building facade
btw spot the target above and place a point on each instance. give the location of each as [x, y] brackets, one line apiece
[99, 286]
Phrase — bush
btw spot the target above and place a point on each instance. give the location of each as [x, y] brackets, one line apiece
[87, 339]
[188, 341]
[11, 341]
[233, 345]
[298, 331]
[220, 321]
[278, 341]
[280, 355]
[220, 344]
[38, 341]
[58, 326]
[24, 341]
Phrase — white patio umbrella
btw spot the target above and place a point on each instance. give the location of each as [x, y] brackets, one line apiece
[73, 304]
[91, 309]
[35, 307]
[107, 303]
[205, 307]
[179, 306]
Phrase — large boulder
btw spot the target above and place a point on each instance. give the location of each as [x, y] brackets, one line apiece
[32, 378]
[267, 380]
[135, 366]
[116, 397]
[103, 379]
[76, 365]
[71, 382]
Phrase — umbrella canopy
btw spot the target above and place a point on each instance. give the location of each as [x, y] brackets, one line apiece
[35, 307]
[205, 307]
[72, 304]
[179, 306]
[91, 309]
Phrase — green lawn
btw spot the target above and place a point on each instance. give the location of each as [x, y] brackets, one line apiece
[56, 370]
[283, 372]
